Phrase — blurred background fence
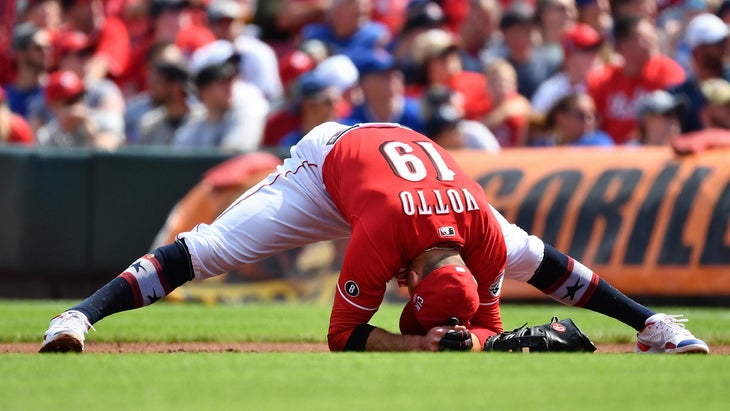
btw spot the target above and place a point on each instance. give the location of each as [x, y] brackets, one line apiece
[652, 223]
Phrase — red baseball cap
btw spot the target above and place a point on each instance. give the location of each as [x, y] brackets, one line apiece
[294, 64]
[449, 291]
[72, 41]
[63, 85]
[580, 36]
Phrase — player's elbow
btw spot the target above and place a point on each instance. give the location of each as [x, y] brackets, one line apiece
[353, 339]
[336, 342]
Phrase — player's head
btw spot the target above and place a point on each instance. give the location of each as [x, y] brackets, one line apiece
[448, 291]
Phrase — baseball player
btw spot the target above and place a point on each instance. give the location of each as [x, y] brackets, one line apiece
[412, 215]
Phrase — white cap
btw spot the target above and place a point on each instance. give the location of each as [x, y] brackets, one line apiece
[219, 9]
[217, 52]
[340, 71]
[705, 28]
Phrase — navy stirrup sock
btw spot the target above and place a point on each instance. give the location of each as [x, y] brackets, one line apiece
[148, 279]
[571, 283]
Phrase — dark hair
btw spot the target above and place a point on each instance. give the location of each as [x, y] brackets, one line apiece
[435, 97]
[563, 105]
[624, 26]
[156, 49]
[67, 4]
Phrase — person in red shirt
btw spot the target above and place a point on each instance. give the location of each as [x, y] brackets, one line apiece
[617, 88]
[170, 21]
[412, 215]
[13, 128]
[108, 34]
[436, 53]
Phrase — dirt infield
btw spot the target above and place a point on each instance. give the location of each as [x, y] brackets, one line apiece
[252, 347]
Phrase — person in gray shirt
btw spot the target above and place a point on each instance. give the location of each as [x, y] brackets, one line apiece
[169, 86]
[235, 111]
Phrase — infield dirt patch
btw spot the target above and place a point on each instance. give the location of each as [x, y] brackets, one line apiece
[243, 347]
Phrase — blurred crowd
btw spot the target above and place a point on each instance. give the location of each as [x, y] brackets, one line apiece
[244, 74]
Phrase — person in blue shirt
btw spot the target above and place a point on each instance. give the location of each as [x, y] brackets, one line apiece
[383, 91]
[347, 29]
[318, 97]
[33, 57]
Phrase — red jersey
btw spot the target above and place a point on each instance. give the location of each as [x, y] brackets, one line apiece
[616, 95]
[401, 193]
[472, 87]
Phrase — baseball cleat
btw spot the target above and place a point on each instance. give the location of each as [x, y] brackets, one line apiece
[666, 334]
[66, 333]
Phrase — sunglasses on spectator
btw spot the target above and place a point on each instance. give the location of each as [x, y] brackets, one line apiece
[584, 116]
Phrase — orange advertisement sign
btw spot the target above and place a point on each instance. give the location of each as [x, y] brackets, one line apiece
[648, 221]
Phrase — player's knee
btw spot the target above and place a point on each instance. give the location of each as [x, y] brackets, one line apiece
[524, 256]
[175, 261]
[553, 267]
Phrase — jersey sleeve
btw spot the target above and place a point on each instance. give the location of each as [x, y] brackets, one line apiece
[359, 291]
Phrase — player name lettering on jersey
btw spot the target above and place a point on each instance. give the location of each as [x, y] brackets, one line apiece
[427, 202]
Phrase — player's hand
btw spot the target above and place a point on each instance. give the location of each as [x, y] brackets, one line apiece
[448, 338]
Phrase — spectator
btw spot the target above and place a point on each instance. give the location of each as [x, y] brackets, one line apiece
[533, 64]
[723, 11]
[581, 44]
[76, 51]
[436, 52]
[292, 15]
[234, 110]
[342, 72]
[140, 103]
[672, 22]
[646, 8]
[318, 100]
[707, 37]
[338, 70]
[259, 64]
[13, 128]
[74, 124]
[45, 14]
[391, 13]
[382, 88]
[715, 113]
[169, 90]
[170, 21]
[595, 13]
[616, 88]
[440, 105]
[421, 16]
[348, 29]
[553, 17]
[33, 54]
[509, 115]
[658, 118]
[480, 29]
[443, 128]
[286, 119]
[572, 121]
[111, 42]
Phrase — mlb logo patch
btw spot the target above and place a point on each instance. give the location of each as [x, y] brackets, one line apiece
[447, 232]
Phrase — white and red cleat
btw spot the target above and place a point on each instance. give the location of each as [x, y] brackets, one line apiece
[66, 333]
[666, 334]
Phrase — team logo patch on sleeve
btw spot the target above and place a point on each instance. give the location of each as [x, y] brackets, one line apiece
[447, 231]
[496, 287]
[352, 289]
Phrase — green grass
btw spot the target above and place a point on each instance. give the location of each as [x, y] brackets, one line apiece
[353, 381]
[23, 321]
